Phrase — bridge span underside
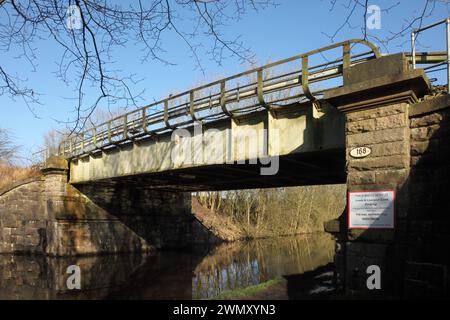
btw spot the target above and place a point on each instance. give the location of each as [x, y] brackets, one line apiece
[292, 145]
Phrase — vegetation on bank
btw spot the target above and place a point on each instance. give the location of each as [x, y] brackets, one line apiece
[241, 293]
[10, 174]
[273, 212]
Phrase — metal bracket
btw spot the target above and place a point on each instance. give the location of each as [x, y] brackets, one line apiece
[260, 89]
[144, 119]
[166, 115]
[192, 106]
[223, 103]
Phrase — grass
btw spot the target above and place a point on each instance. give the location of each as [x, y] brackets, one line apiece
[10, 174]
[249, 291]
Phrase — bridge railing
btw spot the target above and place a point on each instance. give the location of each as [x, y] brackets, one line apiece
[435, 61]
[253, 90]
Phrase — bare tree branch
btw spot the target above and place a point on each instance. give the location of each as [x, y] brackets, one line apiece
[87, 32]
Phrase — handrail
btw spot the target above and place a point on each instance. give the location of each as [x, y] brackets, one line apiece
[141, 122]
[438, 57]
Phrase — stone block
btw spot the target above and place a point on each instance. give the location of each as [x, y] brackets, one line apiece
[392, 177]
[361, 126]
[377, 112]
[372, 235]
[383, 163]
[389, 149]
[426, 120]
[361, 177]
[426, 146]
[432, 274]
[392, 121]
[375, 137]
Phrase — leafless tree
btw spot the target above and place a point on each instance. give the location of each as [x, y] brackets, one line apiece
[8, 150]
[357, 14]
[87, 32]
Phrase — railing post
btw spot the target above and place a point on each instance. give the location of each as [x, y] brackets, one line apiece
[448, 54]
[413, 49]
[62, 148]
[191, 105]
[109, 132]
[82, 142]
[346, 55]
[305, 79]
[94, 138]
[144, 119]
[125, 126]
[260, 87]
[166, 114]
[223, 99]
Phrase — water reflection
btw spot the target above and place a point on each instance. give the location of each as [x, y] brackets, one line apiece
[238, 265]
[197, 274]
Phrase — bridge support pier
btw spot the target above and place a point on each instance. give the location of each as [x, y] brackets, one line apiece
[376, 99]
[385, 129]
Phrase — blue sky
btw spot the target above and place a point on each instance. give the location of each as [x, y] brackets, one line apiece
[291, 28]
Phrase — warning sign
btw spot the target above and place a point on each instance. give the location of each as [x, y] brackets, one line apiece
[371, 209]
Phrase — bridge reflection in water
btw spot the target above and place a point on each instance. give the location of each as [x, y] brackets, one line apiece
[202, 273]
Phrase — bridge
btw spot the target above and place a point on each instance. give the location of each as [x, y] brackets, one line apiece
[121, 185]
[264, 127]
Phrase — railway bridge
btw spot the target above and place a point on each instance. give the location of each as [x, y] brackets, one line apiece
[344, 113]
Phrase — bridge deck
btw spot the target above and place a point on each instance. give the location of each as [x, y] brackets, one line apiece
[301, 128]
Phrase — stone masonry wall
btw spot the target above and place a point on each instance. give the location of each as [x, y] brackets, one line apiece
[385, 129]
[163, 219]
[23, 220]
[410, 150]
[427, 241]
[50, 216]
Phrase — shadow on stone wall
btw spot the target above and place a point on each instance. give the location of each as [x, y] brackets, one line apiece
[415, 256]
[163, 219]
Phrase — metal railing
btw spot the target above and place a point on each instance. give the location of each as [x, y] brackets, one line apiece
[433, 59]
[223, 98]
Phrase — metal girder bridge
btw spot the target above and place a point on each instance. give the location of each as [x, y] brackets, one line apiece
[265, 87]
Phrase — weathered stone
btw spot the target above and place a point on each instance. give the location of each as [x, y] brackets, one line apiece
[389, 149]
[361, 126]
[427, 120]
[377, 112]
[374, 137]
[358, 177]
[393, 177]
[372, 235]
[392, 121]
[383, 163]
[424, 133]
[421, 147]
[50, 216]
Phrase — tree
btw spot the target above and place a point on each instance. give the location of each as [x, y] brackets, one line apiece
[8, 150]
[88, 31]
[359, 13]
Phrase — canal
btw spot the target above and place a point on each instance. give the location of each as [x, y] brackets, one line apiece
[304, 261]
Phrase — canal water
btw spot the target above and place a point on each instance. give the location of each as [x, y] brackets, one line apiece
[202, 273]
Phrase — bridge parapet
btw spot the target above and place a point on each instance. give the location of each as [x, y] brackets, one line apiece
[262, 88]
